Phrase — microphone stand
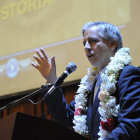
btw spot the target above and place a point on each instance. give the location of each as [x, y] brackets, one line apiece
[42, 89]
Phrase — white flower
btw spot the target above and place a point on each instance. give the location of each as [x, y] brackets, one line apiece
[102, 111]
[80, 122]
[103, 133]
[111, 88]
[111, 102]
[107, 85]
[81, 89]
[116, 110]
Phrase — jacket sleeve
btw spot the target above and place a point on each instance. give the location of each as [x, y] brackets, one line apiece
[129, 99]
[58, 108]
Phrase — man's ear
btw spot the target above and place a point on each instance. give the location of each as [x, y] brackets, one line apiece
[113, 44]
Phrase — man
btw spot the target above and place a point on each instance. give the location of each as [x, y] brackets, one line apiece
[110, 90]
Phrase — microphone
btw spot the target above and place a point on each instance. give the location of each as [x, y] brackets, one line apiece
[71, 67]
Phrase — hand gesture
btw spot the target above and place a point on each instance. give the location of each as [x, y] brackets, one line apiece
[46, 66]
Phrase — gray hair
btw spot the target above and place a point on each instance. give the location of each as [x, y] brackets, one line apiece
[108, 32]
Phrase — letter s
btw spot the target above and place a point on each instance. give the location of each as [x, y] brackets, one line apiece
[4, 12]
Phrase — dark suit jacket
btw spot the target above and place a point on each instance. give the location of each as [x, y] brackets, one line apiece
[128, 96]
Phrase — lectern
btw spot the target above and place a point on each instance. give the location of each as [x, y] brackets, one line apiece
[20, 126]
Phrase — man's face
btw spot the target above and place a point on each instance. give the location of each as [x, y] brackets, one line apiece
[97, 49]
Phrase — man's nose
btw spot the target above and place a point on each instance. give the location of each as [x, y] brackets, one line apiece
[87, 46]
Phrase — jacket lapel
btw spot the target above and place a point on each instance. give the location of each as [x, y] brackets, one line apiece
[90, 106]
[95, 105]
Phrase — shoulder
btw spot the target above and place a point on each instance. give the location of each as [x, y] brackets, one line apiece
[129, 70]
[129, 77]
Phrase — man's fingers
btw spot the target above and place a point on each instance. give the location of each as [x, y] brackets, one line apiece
[39, 54]
[44, 54]
[35, 65]
[53, 61]
[37, 59]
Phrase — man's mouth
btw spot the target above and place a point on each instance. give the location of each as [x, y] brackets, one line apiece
[90, 55]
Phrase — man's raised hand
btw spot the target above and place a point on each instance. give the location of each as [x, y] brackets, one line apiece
[45, 65]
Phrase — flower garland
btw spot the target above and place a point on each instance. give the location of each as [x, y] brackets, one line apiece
[85, 87]
[108, 108]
